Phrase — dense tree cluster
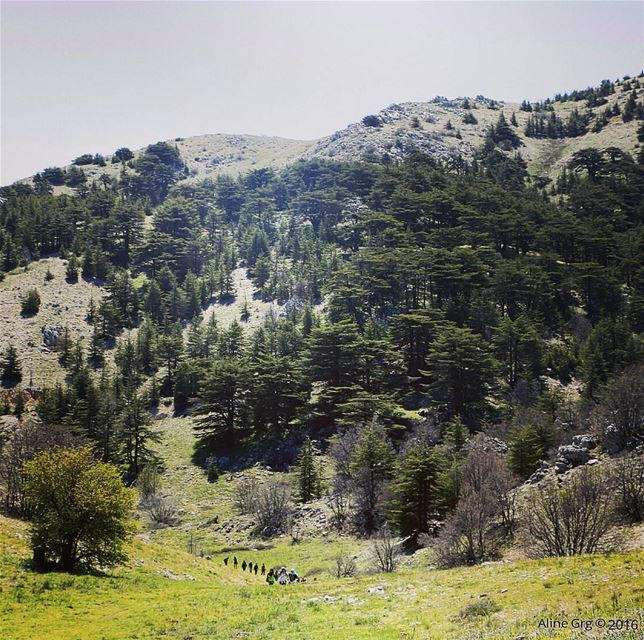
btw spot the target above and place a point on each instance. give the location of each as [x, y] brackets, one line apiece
[455, 295]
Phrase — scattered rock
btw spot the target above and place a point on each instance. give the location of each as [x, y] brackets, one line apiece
[377, 591]
[540, 473]
[51, 335]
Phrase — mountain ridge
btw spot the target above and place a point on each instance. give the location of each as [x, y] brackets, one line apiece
[438, 127]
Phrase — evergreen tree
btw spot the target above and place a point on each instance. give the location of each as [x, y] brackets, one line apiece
[135, 434]
[416, 491]
[308, 473]
[11, 366]
[372, 465]
[224, 409]
[460, 371]
[71, 271]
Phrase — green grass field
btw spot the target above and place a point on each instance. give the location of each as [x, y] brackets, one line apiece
[164, 592]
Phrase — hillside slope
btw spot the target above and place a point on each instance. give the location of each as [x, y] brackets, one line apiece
[423, 126]
[403, 128]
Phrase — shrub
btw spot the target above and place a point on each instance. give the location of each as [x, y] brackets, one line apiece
[149, 481]
[271, 507]
[31, 303]
[245, 496]
[345, 566]
[161, 508]
[386, 551]
[472, 533]
[485, 607]
[572, 519]
[628, 480]
[372, 121]
[81, 509]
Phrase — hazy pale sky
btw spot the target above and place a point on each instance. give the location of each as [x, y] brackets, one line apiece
[83, 77]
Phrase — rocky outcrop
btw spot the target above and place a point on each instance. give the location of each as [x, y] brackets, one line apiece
[568, 456]
[51, 335]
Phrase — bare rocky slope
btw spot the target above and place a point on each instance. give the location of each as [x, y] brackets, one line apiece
[439, 128]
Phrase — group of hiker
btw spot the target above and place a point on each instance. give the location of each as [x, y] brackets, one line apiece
[276, 574]
[252, 568]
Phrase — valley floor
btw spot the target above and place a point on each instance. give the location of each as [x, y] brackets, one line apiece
[166, 592]
[170, 594]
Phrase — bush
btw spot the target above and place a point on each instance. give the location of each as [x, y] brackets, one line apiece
[628, 481]
[271, 507]
[345, 566]
[572, 519]
[485, 607]
[149, 481]
[245, 496]
[372, 121]
[81, 509]
[161, 508]
[386, 551]
[31, 303]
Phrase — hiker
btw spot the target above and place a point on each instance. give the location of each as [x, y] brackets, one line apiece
[292, 576]
[283, 578]
[250, 567]
[255, 568]
[226, 561]
[235, 563]
[270, 578]
[244, 565]
[263, 568]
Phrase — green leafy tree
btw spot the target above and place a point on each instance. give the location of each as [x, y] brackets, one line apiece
[81, 509]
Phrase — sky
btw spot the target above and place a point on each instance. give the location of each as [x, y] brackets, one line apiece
[89, 77]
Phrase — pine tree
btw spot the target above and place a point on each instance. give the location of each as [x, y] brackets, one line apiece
[224, 409]
[308, 473]
[182, 387]
[135, 434]
[416, 491]
[71, 271]
[526, 451]
[96, 353]
[372, 465]
[11, 367]
[31, 303]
